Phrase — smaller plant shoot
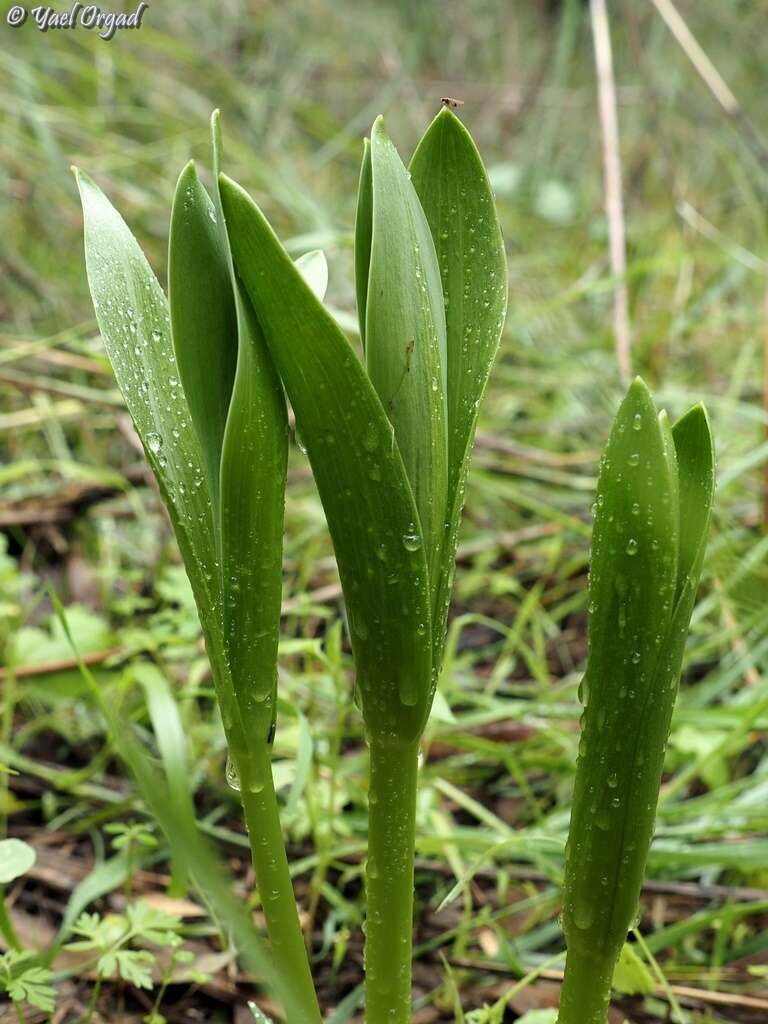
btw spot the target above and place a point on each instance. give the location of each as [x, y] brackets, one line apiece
[652, 514]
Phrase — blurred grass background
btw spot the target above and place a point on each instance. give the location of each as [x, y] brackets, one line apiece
[299, 85]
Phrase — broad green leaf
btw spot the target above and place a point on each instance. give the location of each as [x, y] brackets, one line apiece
[359, 473]
[16, 858]
[696, 464]
[253, 470]
[363, 232]
[450, 180]
[633, 574]
[203, 321]
[313, 267]
[253, 473]
[405, 337]
[133, 318]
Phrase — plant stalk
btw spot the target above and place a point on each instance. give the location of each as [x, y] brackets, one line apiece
[6, 925]
[586, 990]
[389, 882]
[270, 864]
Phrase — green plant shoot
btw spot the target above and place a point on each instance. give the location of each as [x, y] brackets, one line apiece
[652, 516]
[203, 394]
[389, 443]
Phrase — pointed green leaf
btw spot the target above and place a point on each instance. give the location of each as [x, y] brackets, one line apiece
[363, 230]
[133, 318]
[696, 464]
[450, 180]
[253, 470]
[359, 473]
[202, 316]
[405, 336]
[313, 267]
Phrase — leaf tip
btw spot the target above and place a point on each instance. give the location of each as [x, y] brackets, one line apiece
[379, 130]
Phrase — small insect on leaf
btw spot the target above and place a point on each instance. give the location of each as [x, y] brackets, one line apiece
[449, 101]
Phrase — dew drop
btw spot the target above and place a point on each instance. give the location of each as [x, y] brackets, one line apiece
[637, 422]
[370, 438]
[583, 914]
[230, 774]
[154, 442]
[631, 546]
[411, 540]
[634, 459]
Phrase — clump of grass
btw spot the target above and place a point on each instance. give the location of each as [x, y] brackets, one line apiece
[652, 514]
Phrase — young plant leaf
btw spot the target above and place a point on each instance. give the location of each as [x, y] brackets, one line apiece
[203, 319]
[254, 457]
[363, 233]
[450, 181]
[405, 335]
[253, 472]
[643, 579]
[692, 438]
[133, 318]
[359, 473]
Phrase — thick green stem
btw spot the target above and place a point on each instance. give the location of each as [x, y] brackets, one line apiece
[389, 882]
[586, 990]
[270, 863]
